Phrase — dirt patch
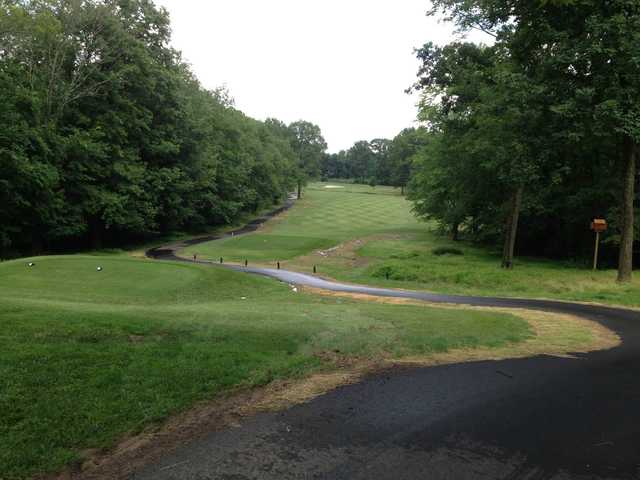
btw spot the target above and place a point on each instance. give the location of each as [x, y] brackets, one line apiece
[344, 254]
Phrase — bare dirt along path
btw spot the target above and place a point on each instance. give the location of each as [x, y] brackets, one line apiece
[535, 418]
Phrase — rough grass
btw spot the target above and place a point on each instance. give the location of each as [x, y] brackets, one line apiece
[391, 241]
[87, 356]
[478, 272]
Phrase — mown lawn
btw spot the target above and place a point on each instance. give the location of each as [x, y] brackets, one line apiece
[396, 250]
[88, 356]
[323, 218]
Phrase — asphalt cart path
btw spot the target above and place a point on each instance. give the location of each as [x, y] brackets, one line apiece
[542, 417]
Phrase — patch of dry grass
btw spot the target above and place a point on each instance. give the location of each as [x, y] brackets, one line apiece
[554, 333]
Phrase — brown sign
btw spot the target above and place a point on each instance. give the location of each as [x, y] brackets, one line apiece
[599, 225]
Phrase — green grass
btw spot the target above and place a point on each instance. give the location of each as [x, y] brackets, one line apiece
[397, 245]
[323, 218]
[87, 356]
[410, 262]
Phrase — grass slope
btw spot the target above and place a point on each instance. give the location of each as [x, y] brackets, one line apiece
[322, 219]
[394, 244]
[87, 356]
[410, 262]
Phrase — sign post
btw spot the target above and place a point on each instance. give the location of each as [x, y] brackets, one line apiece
[598, 225]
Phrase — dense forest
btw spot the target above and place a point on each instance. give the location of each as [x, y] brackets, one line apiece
[106, 137]
[525, 141]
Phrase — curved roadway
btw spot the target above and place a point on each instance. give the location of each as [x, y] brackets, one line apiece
[536, 418]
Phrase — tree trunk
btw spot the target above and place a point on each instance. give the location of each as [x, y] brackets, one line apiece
[512, 229]
[37, 246]
[299, 189]
[96, 229]
[402, 190]
[625, 261]
[455, 230]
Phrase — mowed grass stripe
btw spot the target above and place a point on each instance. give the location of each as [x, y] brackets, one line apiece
[322, 219]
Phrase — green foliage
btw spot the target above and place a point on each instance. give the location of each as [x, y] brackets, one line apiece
[548, 113]
[378, 162]
[309, 147]
[105, 135]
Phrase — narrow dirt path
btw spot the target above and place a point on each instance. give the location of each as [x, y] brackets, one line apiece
[535, 418]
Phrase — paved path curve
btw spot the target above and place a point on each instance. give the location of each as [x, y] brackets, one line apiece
[535, 418]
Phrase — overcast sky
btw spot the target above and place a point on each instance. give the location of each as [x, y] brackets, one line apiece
[342, 64]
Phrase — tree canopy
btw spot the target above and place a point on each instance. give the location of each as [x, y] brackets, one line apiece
[540, 129]
[106, 135]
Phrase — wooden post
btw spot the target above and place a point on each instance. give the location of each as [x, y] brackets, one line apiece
[598, 225]
[595, 253]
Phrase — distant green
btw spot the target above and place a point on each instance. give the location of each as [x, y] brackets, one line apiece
[323, 218]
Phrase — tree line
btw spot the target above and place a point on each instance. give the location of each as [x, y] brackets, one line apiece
[106, 136]
[529, 138]
[377, 162]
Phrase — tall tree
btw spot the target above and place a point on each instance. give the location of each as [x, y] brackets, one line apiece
[309, 146]
[362, 161]
[402, 153]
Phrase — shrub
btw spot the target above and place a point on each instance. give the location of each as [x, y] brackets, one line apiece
[405, 255]
[447, 251]
[384, 272]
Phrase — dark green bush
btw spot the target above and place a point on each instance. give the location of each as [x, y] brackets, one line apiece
[405, 255]
[447, 251]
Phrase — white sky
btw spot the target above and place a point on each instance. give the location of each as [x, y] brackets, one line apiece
[342, 64]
